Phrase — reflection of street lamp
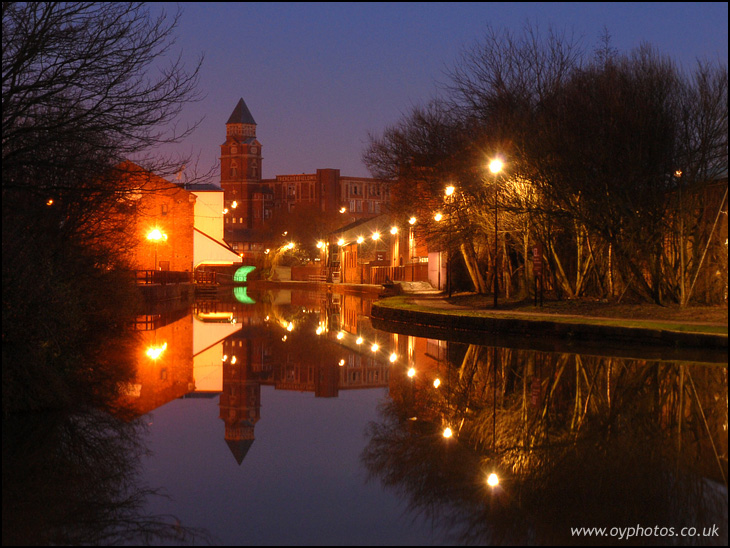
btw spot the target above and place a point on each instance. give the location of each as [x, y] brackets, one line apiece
[156, 236]
[495, 166]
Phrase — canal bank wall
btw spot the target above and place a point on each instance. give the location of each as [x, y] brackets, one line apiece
[560, 333]
[167, 298]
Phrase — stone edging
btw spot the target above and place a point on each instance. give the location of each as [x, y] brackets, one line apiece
[546, 328]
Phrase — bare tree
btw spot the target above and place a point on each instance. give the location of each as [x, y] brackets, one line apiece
[85, 87]
[80, 74]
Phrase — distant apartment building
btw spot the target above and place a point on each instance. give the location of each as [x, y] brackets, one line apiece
[251, 202]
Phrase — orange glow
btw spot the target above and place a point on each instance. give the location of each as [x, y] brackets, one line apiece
[156, 235]
[492, 480]
[154, 352]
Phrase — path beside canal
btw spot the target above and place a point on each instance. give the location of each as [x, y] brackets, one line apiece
[583, 321]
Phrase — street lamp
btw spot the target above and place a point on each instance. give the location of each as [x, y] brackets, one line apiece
[495, 166]
[358, 262]
[156, 236]
[449, 193]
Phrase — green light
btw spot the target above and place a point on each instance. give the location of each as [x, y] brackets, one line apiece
[242, 273]
[240, 293]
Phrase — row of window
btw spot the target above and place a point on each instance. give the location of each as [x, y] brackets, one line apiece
[234, 171]
[356, 206]
[365, 189]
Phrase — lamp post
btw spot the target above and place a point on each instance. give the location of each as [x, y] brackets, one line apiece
[411, 248]
[376, 239]
[495, 166]
[155, 236]
[449, 194]
[358, 262]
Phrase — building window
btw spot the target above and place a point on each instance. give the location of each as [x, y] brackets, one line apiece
[163, 209]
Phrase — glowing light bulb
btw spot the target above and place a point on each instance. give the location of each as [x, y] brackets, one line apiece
[492, 480]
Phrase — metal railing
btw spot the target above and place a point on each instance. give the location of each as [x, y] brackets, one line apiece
[162, 277]
[406, 273]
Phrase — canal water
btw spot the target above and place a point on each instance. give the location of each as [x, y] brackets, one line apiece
[284, 417]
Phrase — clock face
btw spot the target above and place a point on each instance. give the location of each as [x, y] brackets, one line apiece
[253, 150]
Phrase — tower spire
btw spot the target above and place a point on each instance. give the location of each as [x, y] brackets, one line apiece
[241, 114]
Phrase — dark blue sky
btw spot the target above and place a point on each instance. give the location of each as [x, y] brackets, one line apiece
[318, 77]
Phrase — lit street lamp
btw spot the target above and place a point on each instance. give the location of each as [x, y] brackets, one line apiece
[495, 166]
[449, 193]
[358, 262]
[156, 236]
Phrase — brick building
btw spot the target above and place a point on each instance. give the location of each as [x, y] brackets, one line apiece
[251, 202]
[165, 223]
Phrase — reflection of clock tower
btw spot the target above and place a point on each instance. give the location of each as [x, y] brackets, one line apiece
[240, 399]
[241, 172]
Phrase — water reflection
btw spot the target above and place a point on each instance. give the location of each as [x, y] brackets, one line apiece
[576, 441]
[72, 478]
[297, 341]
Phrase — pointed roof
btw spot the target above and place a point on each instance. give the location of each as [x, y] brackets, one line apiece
[241, 114]
[239, 448]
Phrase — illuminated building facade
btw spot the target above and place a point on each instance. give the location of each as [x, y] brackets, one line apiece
[251, 201]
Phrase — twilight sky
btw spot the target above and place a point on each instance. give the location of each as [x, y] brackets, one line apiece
[317, 77]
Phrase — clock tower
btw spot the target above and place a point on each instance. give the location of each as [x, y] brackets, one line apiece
[240, 163]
